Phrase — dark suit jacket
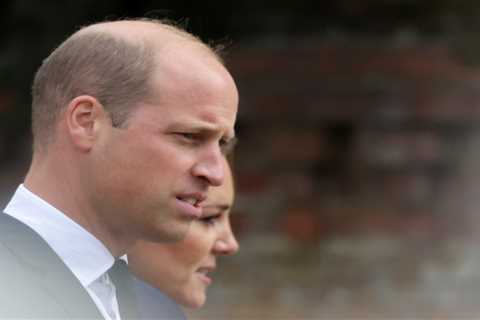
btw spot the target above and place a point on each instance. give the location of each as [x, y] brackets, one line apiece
[154, 304]
[34, 282]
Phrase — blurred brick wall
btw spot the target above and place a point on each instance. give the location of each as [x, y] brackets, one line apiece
[353, 199]
[350, 136]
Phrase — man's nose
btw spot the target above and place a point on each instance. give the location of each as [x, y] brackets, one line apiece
[211, 168]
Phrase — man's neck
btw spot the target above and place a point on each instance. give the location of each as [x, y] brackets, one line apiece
[55, 187]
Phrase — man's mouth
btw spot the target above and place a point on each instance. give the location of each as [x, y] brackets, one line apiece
[190, 200]
[190, 204]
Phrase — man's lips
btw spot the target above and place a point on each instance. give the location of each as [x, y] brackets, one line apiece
[189, 204]
[194, 198]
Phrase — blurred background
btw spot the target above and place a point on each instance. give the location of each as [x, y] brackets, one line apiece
[358, 161]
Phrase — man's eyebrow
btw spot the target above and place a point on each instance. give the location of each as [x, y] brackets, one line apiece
[204, 129]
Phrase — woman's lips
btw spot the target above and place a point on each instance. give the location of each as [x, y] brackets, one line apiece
[203, 274]
[204, 278]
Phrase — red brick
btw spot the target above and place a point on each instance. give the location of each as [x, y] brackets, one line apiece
[301, 225]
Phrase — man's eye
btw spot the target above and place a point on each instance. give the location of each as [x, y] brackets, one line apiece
[187, 136]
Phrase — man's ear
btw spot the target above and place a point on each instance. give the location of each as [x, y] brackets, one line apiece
[84, 117]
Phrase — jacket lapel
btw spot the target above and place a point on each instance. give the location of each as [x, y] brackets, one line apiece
[46, 269]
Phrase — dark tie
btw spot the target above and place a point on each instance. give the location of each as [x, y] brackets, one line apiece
[122, 279]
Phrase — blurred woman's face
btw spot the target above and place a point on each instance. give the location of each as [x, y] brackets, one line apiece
[183, 269]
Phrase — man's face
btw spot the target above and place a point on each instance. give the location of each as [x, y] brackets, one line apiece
[151, 175]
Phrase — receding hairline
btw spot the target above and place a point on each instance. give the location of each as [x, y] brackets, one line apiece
[149, 32]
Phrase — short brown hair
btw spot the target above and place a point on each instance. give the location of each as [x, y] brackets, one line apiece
[108, 67]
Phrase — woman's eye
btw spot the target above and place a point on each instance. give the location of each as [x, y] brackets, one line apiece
[224, 146]
[210, 220]
[227, 146]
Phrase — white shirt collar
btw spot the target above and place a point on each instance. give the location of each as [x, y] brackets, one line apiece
[83, 254]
